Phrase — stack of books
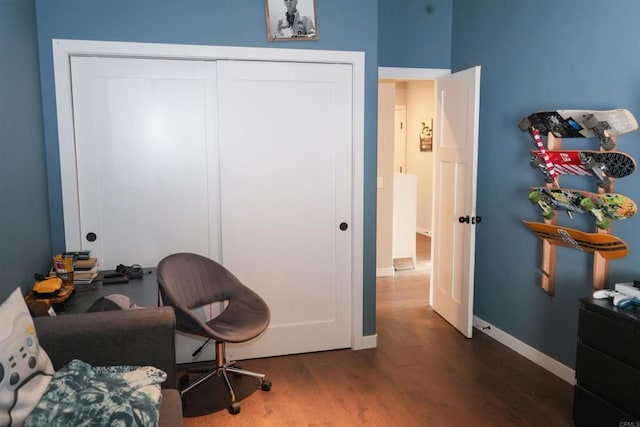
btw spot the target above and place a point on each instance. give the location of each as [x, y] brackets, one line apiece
[85, 270]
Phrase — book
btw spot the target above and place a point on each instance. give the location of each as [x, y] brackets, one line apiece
[86, 264]
[84, 277]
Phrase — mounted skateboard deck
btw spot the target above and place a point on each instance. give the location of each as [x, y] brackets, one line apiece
[607, 245]
[601, 206]
[600, 164]
[602, 124]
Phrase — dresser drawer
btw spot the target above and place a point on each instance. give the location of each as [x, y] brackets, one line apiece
[591, 411]
[610, 334]
[608, 378]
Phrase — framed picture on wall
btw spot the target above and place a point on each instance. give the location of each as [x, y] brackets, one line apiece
[426, 135]
[291, 20]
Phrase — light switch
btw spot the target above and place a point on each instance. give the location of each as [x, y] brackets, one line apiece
[379, 182]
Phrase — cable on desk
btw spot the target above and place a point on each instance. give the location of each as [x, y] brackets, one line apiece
[132, 272]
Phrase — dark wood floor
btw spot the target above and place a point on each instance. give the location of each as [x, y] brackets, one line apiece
[423, 373]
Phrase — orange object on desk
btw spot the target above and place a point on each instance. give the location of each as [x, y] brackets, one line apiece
[55, 298]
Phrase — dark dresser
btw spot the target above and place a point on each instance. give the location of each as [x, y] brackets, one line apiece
[607, 392]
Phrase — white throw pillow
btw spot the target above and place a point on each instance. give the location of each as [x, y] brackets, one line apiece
[25, 368]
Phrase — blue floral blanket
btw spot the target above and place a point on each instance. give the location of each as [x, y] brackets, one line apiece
[83, 395]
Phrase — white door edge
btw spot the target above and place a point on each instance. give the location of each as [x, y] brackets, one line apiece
[459, 312]
[62, 51]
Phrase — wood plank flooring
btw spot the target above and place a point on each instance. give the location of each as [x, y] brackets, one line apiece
[423, 373]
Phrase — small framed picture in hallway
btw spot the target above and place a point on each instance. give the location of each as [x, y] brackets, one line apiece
[291, 20]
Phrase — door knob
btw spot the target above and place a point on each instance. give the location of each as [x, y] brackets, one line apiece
[467, 219]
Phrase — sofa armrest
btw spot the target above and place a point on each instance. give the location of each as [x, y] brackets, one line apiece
[135, 337]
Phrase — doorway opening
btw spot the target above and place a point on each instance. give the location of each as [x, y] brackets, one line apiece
[408, 94]
[454, 164]
[405, 178]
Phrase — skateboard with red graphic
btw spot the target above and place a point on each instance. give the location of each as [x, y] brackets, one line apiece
[602, 124]
[607, 245]
[603, 207]
[602, 165]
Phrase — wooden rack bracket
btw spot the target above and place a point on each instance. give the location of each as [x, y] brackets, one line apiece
[548, 281]
[600, 264]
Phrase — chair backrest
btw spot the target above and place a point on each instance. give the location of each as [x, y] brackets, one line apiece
[188, 281]
[191, 280]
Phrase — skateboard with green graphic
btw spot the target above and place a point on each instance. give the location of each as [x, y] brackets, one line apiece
[603, 207]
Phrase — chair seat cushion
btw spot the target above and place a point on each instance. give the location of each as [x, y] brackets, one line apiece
[240, 321]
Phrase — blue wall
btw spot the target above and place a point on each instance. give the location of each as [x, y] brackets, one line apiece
[538, 55]
[581, 55]
[207, 22]
[24, 219]
[414, 33]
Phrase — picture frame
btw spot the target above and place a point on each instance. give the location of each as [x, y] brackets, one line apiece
[426, 135]
[301, 25]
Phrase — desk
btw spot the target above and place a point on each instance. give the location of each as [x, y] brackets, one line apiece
[142, 291]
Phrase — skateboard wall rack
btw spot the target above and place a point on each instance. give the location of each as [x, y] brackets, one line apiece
[549, 253]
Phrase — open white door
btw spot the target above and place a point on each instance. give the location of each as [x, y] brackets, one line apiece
[454, 217]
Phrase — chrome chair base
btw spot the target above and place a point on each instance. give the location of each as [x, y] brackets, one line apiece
[222, 369]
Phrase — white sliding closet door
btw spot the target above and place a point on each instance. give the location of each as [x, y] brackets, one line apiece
[146, 159]
[286, 194]
[247, 162]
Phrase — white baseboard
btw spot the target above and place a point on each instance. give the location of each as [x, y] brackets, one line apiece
[383, 272]
[536, 356]
[424, 231]
[368, 341]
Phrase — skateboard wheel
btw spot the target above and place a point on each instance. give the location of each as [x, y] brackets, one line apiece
[587, 204]
[590, 121]
[524, 124]
[604, 224]
[605, 183]
[548, 214]
[535, 162]
[608, 144]
[535, 196]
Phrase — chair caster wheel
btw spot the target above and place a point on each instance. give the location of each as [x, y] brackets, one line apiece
[234, 408]
[184, 380]
[265, 385]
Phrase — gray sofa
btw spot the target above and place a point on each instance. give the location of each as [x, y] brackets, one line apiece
[138, 337]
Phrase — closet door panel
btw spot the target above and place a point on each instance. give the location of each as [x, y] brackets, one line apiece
[145, 143]
[286, 182]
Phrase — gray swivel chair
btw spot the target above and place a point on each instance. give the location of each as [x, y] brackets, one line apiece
[187, 281]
